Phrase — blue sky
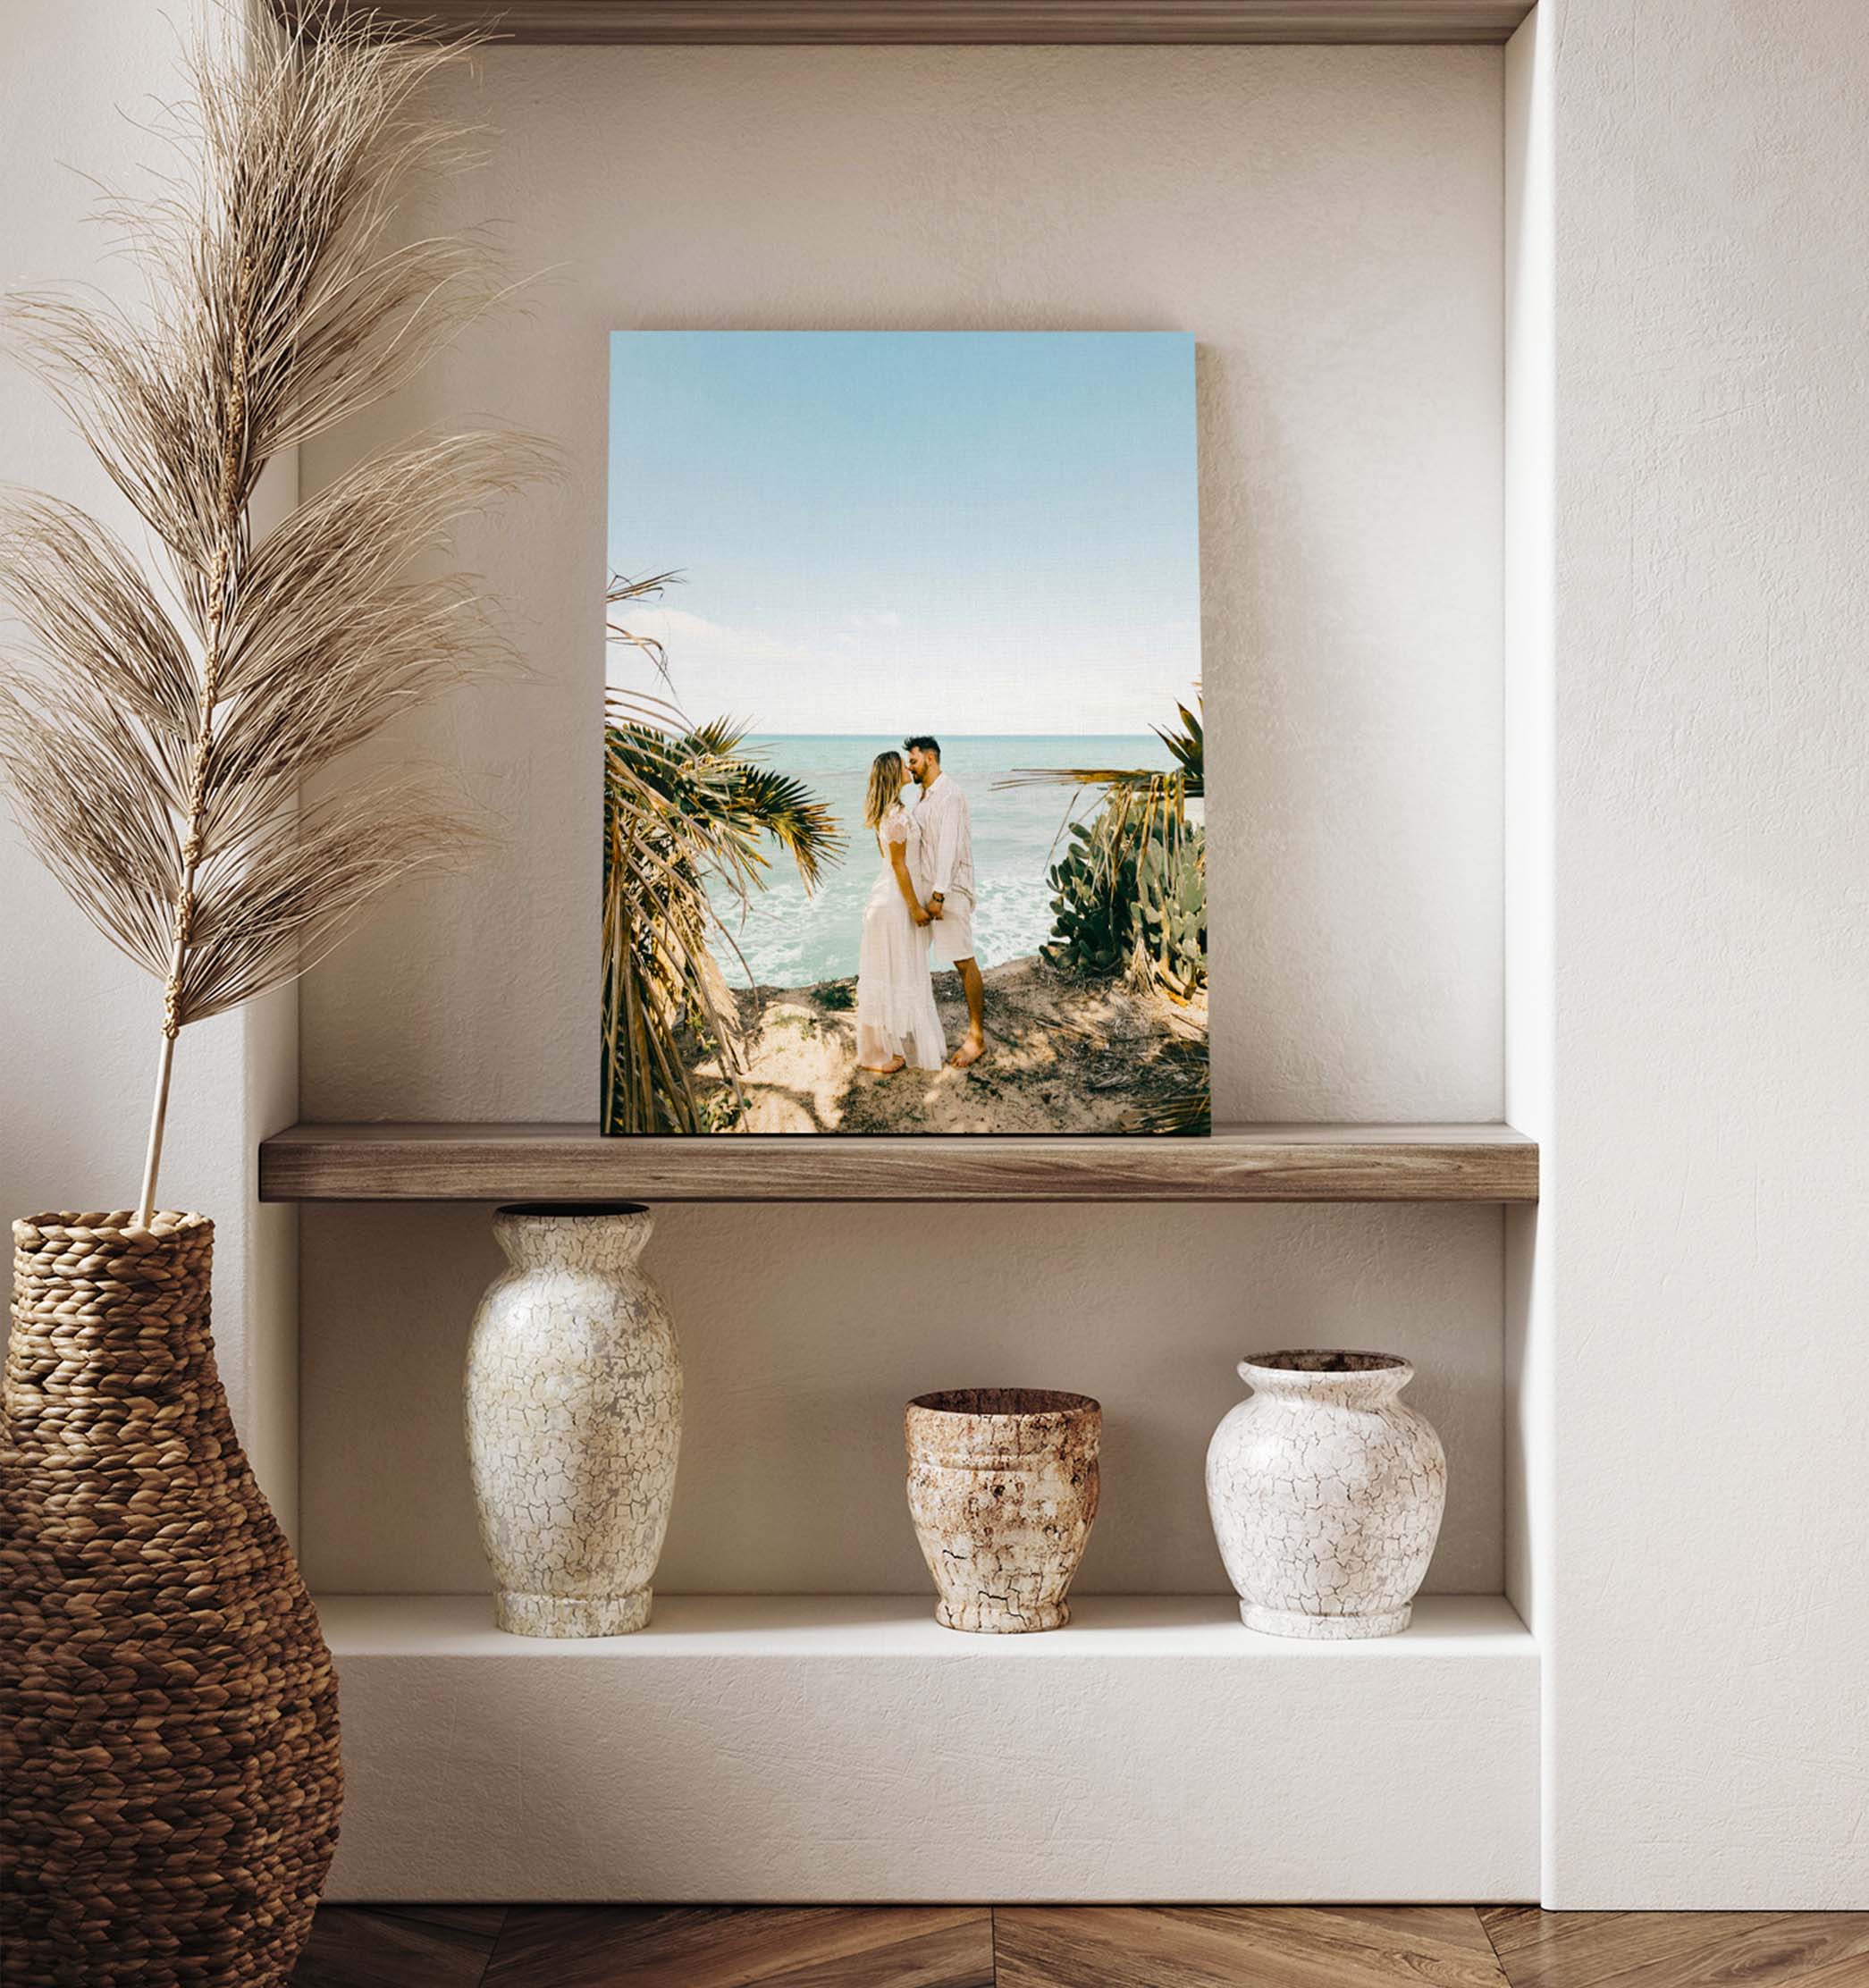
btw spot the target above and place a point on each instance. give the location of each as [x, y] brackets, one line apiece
[883, 531]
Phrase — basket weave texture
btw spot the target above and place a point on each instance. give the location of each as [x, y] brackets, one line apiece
[168, 1711]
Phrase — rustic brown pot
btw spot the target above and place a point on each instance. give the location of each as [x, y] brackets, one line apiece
[168, 1714]
[1002, 1486]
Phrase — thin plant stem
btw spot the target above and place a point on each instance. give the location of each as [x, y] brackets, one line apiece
[223, 581]
[158, 1118]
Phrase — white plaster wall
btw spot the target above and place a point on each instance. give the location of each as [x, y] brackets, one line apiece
[1530, 1322]
[1327, 224]
[1529, 772]
[1709, 1525]
[79, 1025]
[802, 1337]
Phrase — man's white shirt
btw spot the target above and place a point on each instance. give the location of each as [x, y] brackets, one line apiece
[944, 835]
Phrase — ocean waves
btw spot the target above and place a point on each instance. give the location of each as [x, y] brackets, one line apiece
[787, 939]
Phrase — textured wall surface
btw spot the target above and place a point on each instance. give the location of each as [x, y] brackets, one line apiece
[1709, 1598]
[1530, 808]
[804, 1330]
[1327, 224]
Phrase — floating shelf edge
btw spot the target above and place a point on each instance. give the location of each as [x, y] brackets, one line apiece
[391, 1162]
[873, 23]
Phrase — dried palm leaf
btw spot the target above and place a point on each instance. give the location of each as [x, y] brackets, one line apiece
[154, 732]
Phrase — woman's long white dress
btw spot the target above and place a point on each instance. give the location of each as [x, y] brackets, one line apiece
[895, 1012]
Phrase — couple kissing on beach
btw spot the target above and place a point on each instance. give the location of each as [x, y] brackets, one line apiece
[920, 913]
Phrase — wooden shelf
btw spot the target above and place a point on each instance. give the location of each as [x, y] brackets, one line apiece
[962, 22]
[572, 1162]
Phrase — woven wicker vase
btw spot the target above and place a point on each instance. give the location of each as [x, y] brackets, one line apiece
[168, 1714]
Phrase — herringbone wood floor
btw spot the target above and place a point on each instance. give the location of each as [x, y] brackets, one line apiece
[583, 1946]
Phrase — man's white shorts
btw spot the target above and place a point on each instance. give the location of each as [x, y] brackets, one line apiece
[953, 931]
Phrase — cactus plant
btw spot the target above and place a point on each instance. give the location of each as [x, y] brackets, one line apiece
[1129, 894]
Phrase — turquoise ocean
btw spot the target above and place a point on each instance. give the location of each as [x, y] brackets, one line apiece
[792, 939]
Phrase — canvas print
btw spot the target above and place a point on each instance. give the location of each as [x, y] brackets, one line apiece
[904, 777]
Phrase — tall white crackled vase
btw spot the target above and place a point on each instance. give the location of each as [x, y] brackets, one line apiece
[1327, 1493]
[574, 1419]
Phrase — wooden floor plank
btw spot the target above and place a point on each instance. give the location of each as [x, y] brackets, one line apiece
[1450, 1926]
[745, 1947]
[1848, 1965]
[1679, 1949]
[394, 1946]
[477, 1946]
[483, 1919]
[1240, 1947]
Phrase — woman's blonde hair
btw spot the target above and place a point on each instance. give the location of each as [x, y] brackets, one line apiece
[887, 777]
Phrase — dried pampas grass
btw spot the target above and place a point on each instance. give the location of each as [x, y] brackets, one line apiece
[155, 730]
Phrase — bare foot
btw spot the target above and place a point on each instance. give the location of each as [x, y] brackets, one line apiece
[970, 1051]
[885, 1069]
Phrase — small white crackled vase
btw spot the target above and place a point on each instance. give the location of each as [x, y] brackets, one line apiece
[1327, 1494]
[574, 1419]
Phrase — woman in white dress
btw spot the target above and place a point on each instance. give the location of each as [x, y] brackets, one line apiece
[897, 1023]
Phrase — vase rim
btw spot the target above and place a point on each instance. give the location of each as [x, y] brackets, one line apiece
[1322, 1363]
[162, 1226]
[1034, 1403]
[560, 1211]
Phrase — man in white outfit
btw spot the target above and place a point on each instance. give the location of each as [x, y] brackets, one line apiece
[944, 841]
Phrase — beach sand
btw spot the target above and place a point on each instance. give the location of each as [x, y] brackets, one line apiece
[1063, 1055]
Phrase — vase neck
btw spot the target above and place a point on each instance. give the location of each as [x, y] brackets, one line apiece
[1328, 1376]
[600, 1239]
[105, 1310]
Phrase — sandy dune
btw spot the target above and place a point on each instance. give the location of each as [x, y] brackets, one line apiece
[1063, 1055]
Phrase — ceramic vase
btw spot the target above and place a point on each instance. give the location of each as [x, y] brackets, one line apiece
[1327, 1494]
[574, 1419]
[1002, 1487]
[168, 1714]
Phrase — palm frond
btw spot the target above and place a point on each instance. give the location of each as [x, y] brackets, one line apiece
[1189, 747]
[1189, 1114]
[685, 806]
[155, 738]
[620, 592]
[1187, 744]
[738, 801]
[661, 978]
[766, 801]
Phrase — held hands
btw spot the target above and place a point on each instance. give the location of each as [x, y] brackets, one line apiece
[934, 908]
[921, 916]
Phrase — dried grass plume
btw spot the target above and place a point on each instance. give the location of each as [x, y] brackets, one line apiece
[156, 726]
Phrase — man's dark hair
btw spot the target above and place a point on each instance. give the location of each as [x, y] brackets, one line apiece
[923, 742]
